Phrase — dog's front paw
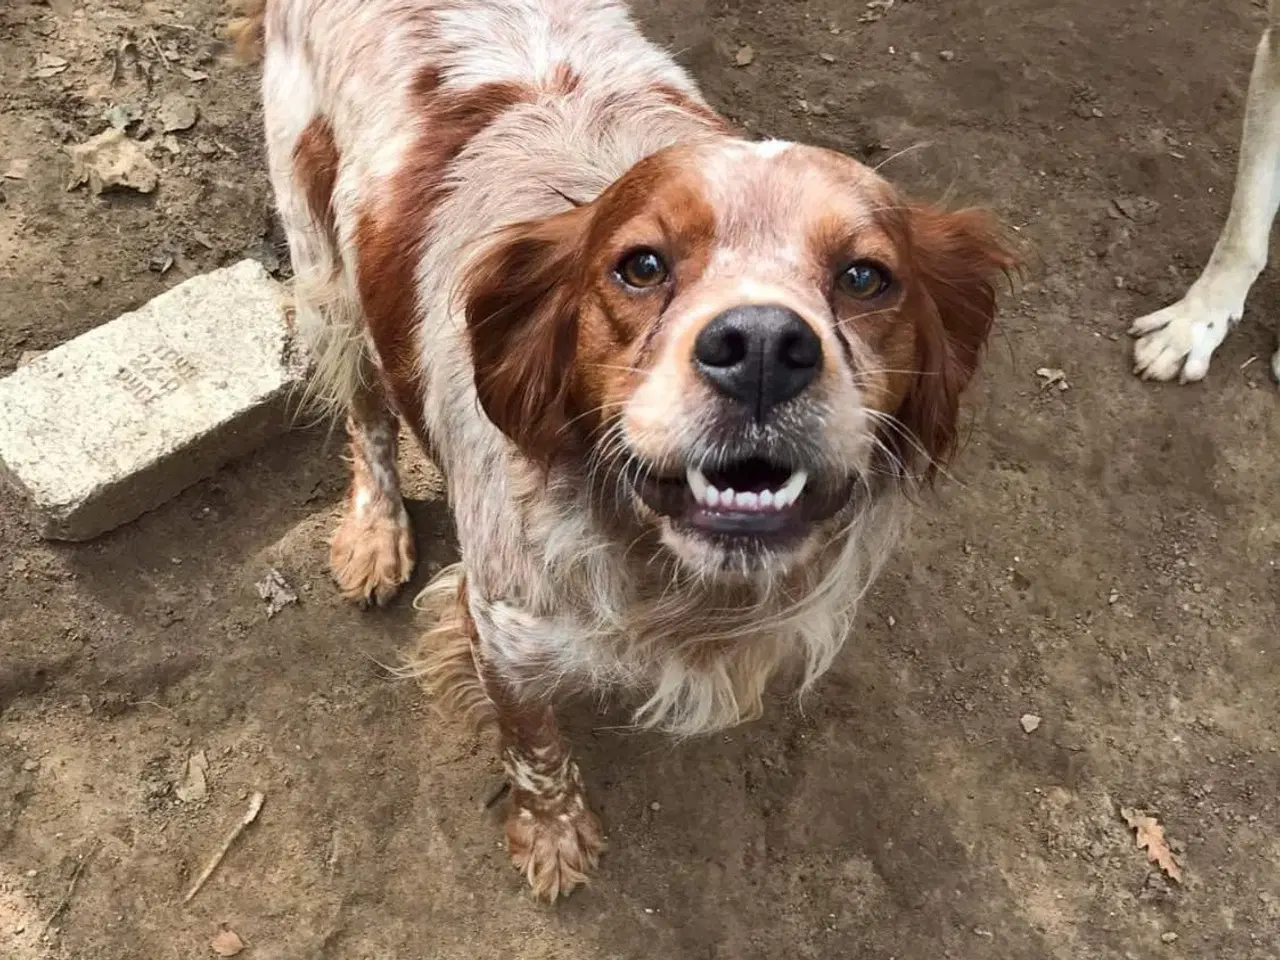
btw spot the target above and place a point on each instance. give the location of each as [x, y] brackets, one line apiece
[555, 844]
[1179, 340]
[372, 556]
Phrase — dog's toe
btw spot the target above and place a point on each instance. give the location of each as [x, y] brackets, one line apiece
[554, 848]
[372, 558]
[1178, 342]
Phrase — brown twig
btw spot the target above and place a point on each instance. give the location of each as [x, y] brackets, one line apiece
[71, 889]
[255, 806]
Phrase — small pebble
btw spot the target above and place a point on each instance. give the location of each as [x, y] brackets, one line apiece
[947, 55]
[1030, 722]
[31, 765]
[1168, 937]
[655, 806]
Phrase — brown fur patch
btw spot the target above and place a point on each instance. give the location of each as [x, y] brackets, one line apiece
[955, 258]
[389, 234]
[678, 98]
[564, 80]
[523, 299]
[315, 166]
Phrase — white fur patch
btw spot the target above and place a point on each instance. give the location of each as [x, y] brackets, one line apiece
[768, 149]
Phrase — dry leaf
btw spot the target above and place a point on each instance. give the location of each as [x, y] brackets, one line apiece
[110, 160]
[1142, 210]
[227, 943]
[1150, 837]
[1052, 375]
[745, 56]
[275, 590]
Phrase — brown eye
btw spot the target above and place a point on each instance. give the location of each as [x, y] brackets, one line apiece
[641, 269]
[863, 280]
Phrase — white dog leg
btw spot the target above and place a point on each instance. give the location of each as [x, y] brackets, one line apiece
[1180, 339]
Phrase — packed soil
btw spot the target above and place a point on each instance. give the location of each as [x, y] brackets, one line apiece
[1105, 556]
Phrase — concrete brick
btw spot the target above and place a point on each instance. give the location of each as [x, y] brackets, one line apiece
[117, 421]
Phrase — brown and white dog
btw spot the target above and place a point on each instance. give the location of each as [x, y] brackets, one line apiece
[679, 382]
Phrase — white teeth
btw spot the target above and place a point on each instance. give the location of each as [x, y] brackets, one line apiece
[746, 501]
[698, 484]
[792, 489]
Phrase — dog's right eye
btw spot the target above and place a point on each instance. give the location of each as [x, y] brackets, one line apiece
[642, 269]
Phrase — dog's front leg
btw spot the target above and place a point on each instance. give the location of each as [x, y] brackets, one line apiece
[1180, 339]
[552, 836]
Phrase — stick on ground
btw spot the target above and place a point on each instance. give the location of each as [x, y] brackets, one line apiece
[71, 889]
[255, 806]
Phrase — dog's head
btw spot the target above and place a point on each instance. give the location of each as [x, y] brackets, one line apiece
[745, 340]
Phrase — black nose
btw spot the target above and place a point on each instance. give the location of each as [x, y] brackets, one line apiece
[760, 355]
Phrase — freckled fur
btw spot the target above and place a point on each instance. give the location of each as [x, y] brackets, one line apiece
[420, 154]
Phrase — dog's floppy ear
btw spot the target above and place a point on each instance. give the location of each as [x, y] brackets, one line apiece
[522, 299]
[956, 258]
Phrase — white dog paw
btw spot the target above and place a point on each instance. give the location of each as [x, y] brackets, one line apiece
[1179, 340]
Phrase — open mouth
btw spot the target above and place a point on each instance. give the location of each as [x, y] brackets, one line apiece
[753, 497]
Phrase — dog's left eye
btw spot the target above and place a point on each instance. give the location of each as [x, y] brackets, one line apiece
[641, 269]
[862, 280]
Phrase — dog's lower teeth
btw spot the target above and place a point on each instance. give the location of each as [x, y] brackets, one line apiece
[747, 501]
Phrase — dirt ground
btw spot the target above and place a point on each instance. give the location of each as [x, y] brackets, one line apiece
[1107, 558]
